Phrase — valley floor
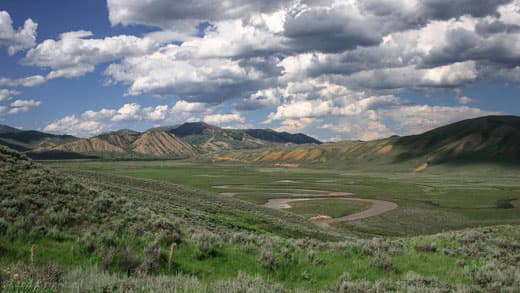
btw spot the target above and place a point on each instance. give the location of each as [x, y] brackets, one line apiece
[444, 198]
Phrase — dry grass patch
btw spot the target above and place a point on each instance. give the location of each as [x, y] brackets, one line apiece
[313, 154]
[320, 218]
[295, 155]
[385, 149]
[287, 165]
[422, 167]
[272, 156]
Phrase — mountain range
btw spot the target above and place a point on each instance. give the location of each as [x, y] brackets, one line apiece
[179, 141]
[484, 139]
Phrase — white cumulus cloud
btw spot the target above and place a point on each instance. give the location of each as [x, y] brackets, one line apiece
[219, 119]
[23, 106]
[16, 39]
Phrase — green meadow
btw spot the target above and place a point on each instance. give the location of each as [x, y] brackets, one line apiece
[441, 199]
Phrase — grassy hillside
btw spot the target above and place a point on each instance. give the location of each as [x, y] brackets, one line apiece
[338, 155]
[38, 195]
[479, 140]
[491, 138]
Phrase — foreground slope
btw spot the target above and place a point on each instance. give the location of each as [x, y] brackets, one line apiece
[33, 195]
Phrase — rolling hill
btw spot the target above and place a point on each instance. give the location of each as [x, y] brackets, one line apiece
[490, 138]
[484, 139]
[25, 140]
[151, 143]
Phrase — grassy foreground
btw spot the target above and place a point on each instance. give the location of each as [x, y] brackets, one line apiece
[83, 226]
[480, 259]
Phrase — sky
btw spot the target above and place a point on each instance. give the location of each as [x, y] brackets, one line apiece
[333, 69]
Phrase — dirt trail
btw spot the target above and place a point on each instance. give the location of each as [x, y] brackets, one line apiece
[375, 206]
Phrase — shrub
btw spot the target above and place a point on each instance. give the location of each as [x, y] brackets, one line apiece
[475, 249]
[362, 286]
[345, 277]
[129, 262]
[504, 204]
[3, 226]
[51, 273]
[61, 217]
[505, 244]
[103, 203]
[425, 247]
[267, 259]
[167, 227]
[449, 252]
[206, 243]
[305, 276]
[414, 282]
[345, 285]
[107, 256]
[385, 286]
[497, 276]
[470, 236]
[240, 238]
[89, 242]
[383, 261]
[288, 255]
[374, 245]
[152, 259]
[245, 283]
[311, 256]
[306, 243]
[170, 236]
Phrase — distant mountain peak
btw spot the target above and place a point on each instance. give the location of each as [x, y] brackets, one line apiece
[281, 137]
[199, 123]
[123, 131]
[190, 128]
[9, 129]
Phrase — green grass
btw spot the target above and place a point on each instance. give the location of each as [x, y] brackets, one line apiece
[230, 259]
[331, 207]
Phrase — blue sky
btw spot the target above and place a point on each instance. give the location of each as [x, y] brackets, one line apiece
[336, 70]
